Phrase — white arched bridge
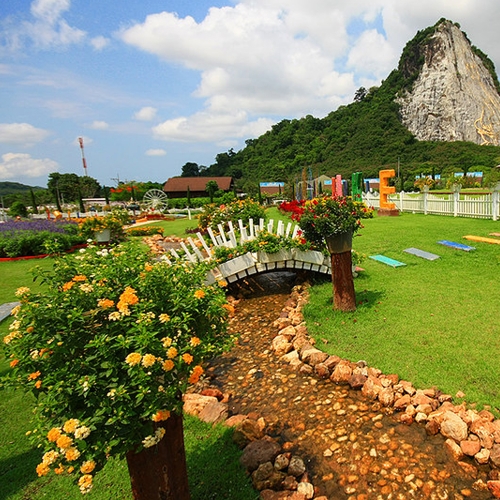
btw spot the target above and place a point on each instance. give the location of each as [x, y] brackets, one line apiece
[251, 263]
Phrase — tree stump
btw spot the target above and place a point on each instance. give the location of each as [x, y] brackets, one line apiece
[344, 297]
[159, 472]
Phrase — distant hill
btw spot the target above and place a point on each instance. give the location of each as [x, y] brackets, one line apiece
[7, 188]
[382, 127]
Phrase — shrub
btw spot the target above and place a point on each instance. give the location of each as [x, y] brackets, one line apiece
[108, 349]
[18, 208]
[245, 210]
[144, 230]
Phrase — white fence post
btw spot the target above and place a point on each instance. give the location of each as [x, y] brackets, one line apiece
[456, 199]
[495, 202]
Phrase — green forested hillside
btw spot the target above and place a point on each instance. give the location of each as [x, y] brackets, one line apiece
[366, 135]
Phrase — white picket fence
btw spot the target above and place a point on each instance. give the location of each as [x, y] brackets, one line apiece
[482, 206]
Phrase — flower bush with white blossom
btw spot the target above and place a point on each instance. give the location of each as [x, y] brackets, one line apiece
[108, 348]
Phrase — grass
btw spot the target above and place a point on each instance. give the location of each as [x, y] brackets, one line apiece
[434, 323]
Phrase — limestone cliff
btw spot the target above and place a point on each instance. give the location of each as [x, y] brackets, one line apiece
[453, 95]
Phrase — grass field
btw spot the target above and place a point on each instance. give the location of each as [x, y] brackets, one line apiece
[435, 323]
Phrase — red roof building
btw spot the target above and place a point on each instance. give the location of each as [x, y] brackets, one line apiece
[176, 187]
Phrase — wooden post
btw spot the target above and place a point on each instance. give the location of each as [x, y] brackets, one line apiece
[344, 297]
[159, 472]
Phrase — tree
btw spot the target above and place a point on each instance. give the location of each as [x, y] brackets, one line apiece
[18, 209]
[190, 169]
[211, 187]
[360, 94]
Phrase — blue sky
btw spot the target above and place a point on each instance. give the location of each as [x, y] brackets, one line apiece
[151, 85]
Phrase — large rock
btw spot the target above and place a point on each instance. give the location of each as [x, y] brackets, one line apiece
[454, 96]
[342, 373]
[246, 431]
[454, 427]
[259, 452]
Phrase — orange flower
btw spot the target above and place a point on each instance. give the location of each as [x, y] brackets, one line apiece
[187, 358]
[148, 267]
[87, 467]
[80, 277]
[64, 442]
[172, 352]
[38, 384]
[14, 362]
[60, 469]
[222, 283]
[105, 303]
[148, 360]
[34, 375]
[127, 298]
[42, 469]
[72, 454]
[133, 358]
[54, 434]
[161, 415]
[67, 286]
[229, 308]
[195, 341]
[71, 425]
[195, 374]
[168, 365]
[199, 294]
[30, 329]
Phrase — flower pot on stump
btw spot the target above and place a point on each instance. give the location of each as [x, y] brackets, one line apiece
[340, 246]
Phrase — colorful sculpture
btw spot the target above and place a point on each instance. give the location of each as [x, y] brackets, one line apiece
[386, 207]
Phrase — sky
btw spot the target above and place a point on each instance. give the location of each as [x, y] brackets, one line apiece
[154, 84]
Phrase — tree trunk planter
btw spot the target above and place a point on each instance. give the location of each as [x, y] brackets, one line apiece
[340, 246]
[159, 472]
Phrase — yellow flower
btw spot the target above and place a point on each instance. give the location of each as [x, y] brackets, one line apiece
[86, 288]
[23, 290]
[168, 365]
[164, 318]
[161, 415]
[72, 454]
[85, 483]
[133, 359]
[42, 469]
[82, 432]
[167, 342]
[195, 341]
[64, 442]
[148, 360]
[87, 467]
[54, 434]
[187, 358]
[68, 286]
[172, 352]
[114, 316]
[105, 303]
[71, 425]
[148, 267]
[15, 310]
[199, 294]
[80, 277]
[50, 457]
[127, 298]
[30, 329]
[222, 283]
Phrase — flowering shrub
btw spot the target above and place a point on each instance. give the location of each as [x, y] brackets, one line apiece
[24, 238]
[265, 242]
[327, 216]
[114, 221]
[108, 349]
[144, 230]
[245, 210]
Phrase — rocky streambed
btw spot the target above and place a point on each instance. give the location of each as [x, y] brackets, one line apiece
[360, 434]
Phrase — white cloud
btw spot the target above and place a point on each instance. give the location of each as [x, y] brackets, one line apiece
[99, 42]
[99, 125]
[15, 165]
[156, 152]
[21, 133]
[146, 114]
[46, 29]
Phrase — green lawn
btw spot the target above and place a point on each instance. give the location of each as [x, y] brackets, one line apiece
[435, 323]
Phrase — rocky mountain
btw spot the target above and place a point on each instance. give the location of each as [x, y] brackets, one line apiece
[454, 96]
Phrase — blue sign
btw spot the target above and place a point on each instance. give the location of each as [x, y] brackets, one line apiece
[272, 184]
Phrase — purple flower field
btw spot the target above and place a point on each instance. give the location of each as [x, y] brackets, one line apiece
[13, 226]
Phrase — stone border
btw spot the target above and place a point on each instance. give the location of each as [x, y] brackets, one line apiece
[467, 432]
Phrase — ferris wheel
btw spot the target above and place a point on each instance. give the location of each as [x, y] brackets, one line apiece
[155, 199]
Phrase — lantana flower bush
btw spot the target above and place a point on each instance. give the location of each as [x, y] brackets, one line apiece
[108, 349]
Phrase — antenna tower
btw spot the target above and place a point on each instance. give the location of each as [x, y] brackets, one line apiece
[80, 140]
